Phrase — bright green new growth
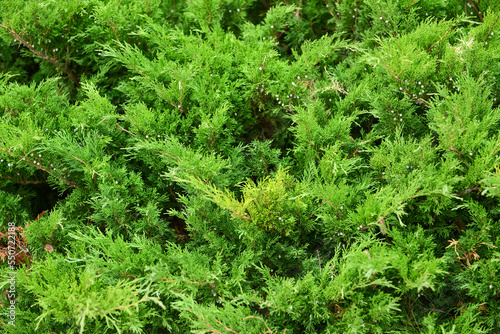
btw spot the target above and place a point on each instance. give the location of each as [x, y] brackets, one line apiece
[272, 205]
[250, 167]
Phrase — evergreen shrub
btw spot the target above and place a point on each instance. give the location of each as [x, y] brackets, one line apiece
[227, 166]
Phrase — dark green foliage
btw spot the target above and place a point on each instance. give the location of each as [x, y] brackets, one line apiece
[250, 167]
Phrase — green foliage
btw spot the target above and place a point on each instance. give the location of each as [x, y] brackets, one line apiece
[252, 167]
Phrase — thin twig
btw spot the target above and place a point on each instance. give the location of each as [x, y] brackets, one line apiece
[466, 191]
[52, 60]
[433, 45]
[123, 129]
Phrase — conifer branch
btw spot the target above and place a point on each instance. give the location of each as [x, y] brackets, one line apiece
[412, 3]
[114, 30]
[38, 166]
[83, 162]
[333, 206]
[123, 129]
[459, 153]
[240, 215]
[137, 70]
[24, 182]
[442, 37]
[493, 26]
[6, 150]
[392, 72]
[40, 55]
[495, 148]
[435, 310]
[226, 328]
[129, 275]
[478, 12]
[458, 116]
[168, 155]
[255, 317]
[468, 190]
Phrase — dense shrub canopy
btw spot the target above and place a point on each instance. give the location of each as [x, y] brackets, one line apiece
[223, 166]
